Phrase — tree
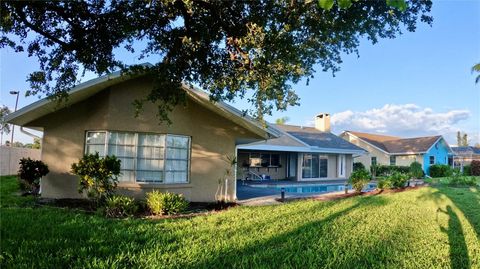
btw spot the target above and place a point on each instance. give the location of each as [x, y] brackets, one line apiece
[4, 126]
[229, 48]
[282, 120]
[462, 140]
[476, 68]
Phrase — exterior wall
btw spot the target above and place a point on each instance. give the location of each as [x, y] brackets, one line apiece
[366, 159]
[332, 170]
[212, 138]
[406, 160]
[10, 158]
[440, 151]
[275, 173]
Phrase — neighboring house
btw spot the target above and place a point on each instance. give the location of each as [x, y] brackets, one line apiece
[299, 154]
[185, 157]
[392, 150]
[465, 155]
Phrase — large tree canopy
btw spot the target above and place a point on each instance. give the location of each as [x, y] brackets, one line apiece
[228, 48]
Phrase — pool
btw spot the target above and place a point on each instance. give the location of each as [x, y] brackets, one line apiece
[319, 188]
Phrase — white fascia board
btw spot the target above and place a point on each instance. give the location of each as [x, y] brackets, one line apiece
[299, 149]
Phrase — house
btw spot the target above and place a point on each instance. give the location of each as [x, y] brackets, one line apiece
[392, 150]
[186, 157]
[465, 155]
[299, 154]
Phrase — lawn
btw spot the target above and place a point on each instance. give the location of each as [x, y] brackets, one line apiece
[424, 228]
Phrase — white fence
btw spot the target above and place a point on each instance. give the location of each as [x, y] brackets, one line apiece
[10, 157]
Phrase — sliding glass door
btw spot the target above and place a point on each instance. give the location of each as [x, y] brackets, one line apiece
[314, 166]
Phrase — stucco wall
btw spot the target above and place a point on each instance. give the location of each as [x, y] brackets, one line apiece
[10, 158]
[212, 138]
[366, 159]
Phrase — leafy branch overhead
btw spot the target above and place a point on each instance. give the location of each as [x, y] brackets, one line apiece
[252, 49]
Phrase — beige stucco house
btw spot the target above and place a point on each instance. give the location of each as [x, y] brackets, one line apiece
[393, 150]
[185, 157]
[189, 156]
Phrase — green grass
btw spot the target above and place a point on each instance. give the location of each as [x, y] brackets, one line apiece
[424, 228]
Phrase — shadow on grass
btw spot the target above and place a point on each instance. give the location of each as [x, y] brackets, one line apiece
[456, 238]
[311, 245]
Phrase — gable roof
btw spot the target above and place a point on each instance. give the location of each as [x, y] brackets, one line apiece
[397, 145]
[89, 88]
[305, 139]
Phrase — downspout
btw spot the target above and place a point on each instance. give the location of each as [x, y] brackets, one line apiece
[28, 133]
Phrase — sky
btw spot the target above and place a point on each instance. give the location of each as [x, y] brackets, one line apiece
[417, 84]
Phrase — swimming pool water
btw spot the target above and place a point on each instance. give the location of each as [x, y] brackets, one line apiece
[320, 188]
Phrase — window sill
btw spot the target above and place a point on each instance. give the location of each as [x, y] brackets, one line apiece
[154, 185]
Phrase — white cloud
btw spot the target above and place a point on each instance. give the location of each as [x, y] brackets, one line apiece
[402, 120]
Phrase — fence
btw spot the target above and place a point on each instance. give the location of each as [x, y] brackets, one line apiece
[10, 157]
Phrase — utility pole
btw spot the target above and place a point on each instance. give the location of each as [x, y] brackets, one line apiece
[17, 93]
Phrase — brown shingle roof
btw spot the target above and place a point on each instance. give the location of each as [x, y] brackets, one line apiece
[393, 144]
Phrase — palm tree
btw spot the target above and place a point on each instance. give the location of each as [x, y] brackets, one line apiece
[476, 68]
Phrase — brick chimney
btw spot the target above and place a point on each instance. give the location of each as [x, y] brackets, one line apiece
[322, 122]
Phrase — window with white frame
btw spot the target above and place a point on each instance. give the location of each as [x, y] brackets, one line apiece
[145, 157]
[432, 160]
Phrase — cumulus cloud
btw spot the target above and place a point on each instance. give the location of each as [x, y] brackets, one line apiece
[402, 120]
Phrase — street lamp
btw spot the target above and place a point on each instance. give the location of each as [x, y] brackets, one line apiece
[17, 93]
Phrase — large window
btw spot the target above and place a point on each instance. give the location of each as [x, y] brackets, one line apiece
[393, 160]
[314, 166]
[264, 160]
[145, 158]
[432, 160]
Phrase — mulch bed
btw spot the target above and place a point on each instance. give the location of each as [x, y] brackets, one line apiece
[332, 197]
[194, 209]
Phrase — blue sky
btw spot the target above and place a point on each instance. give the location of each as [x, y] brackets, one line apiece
[416, 84]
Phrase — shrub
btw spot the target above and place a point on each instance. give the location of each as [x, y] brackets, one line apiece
[358, 179]
[416, 170]
[475, 168]
[161, 203]
[440, 170]
[98, 176]
[118, 206]
[387, 170]
[398, 179]
[358, 166]
[467, 170]
[30, 173]
[384, 184]
[458, 179]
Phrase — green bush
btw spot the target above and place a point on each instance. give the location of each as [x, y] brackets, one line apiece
[387, 170]
[440, 170]
[458, 179]
[384, 184]
[398, 180]
[30, 173]
[358, 166]
[475, 168]
[358, 179]
[161, 203]
[416, 170]
[98, 176]
[467, 170]
[118, 206]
